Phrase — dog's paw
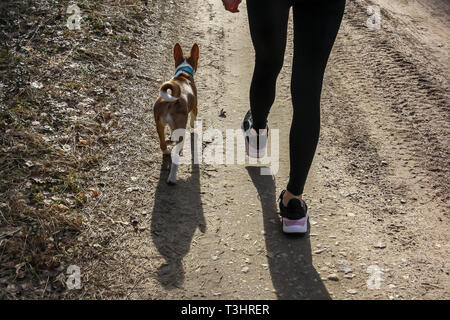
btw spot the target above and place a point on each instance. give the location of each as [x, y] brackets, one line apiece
[172, 179]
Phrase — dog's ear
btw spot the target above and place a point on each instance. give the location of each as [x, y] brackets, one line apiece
[178, 55]
[195, 52]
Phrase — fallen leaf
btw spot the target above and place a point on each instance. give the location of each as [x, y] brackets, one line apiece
[62, 207]
[95, 193]
[82, 143]
[79, 220]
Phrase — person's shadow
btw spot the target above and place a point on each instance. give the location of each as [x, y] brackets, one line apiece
[289, 256]
[177, 212]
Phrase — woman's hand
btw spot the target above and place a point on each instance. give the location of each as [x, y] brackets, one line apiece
[232, 5]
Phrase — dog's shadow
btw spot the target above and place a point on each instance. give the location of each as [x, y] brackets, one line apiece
[290, 259]
[177, 212]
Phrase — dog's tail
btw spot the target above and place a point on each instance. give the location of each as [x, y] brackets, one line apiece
[174, 87]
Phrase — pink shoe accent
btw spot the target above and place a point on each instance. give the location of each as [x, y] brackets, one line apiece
[252, 150]
[290, 223]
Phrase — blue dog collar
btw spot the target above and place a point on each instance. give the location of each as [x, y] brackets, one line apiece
[185, 66]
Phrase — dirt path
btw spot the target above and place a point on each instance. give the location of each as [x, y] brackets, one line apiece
[378, 189]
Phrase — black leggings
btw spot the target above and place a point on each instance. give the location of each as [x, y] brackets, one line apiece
[316, 23]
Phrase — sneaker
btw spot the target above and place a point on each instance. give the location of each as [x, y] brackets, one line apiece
[255, 145]
[294, 215]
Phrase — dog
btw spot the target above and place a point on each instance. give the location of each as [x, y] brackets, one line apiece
[173, 108]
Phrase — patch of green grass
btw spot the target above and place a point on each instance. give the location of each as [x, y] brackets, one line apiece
[37, 199]
[90, 161]
[96, 23]
[22, 110]
[72, 183]
[18, 59]
[85, 4]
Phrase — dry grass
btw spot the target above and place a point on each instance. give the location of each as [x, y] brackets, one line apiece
[56, 118]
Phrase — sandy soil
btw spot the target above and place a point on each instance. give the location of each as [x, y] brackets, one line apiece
[378, 191]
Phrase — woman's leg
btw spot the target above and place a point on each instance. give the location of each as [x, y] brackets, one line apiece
[268, 21]
[316, 24]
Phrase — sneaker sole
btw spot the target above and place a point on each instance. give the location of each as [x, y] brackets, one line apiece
[296, 226]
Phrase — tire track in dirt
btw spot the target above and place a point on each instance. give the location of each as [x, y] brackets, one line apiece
[371, 79]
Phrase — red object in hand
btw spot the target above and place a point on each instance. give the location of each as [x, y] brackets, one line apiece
[232, 5]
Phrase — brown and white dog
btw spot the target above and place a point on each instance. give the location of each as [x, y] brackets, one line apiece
[173, 108]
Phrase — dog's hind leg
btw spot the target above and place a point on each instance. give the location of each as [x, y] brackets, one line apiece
[178, 136]
[172, 179]
[162, 137]
[175, 155]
